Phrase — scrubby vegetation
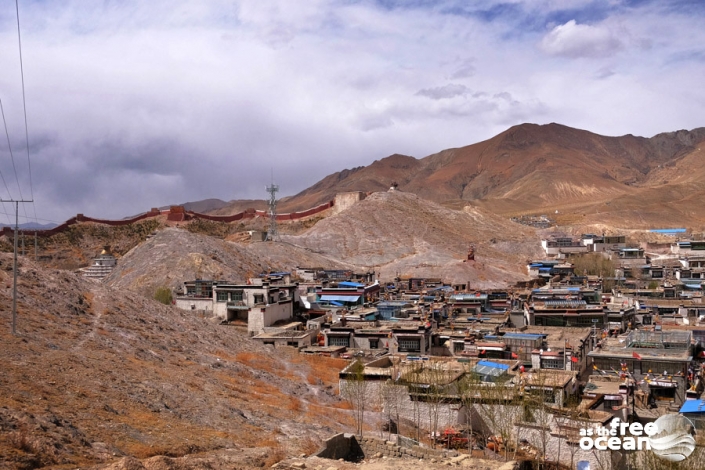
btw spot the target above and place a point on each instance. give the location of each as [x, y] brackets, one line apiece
[209, 227]
[164, 295]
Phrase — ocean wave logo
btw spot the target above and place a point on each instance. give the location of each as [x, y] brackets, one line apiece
[674, 441]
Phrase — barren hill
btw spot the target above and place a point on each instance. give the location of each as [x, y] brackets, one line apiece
[399, 233]
[394, 233]
[175, 255]
[536, 169]
[97, 373]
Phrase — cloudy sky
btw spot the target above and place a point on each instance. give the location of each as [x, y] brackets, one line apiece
[135, 104]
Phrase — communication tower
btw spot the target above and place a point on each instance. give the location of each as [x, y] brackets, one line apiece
[272, 233]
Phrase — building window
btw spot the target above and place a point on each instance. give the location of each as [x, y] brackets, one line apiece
[658, 367]
[339, 341]
[236, 296]
[409, 345]
[222, 296]
[259, 299]
[588, 321]
[458, 346]
[610, 405]
[374, 343]
[552, 364]
[664, 393]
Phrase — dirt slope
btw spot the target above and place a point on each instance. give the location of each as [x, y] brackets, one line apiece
[98, 373]
[175, 255]
[398, 233]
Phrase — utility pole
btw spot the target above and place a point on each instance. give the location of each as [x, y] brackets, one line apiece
[14, 268]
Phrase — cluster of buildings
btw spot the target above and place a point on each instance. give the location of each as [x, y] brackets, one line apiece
[590, 351]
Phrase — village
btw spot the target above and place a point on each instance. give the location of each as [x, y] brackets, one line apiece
[604, 330]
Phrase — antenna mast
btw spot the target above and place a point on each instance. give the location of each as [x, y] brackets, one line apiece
[272, 233]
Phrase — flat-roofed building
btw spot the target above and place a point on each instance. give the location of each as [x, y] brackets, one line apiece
[659, 360]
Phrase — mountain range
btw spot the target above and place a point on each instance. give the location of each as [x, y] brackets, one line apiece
[535, 169]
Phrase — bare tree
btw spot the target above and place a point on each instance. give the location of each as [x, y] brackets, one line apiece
[355, 390]
[469, 393]
[436, 377]
[393, 395]
[537, 411]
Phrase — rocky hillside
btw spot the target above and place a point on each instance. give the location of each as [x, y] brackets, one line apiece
[80, 243]
[394, 233]
[532, 169]
[97, 373]
[398, 233]
[175, 255]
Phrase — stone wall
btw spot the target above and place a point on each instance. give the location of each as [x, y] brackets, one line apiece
[374, 447]
[352, 448]
[344, 201]
[340, 446]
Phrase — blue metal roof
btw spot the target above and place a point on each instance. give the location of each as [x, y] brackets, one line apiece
[693, 286]
[667, 230]
[493, 365]
[341, 298]
[693, 406]
[350, 284]
[533, 336]
[557, 290]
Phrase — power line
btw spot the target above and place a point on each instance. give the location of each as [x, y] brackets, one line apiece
[27, 218]
[24, 105]
[7, 134]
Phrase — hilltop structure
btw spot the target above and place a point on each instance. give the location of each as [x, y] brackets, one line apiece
[102, 265]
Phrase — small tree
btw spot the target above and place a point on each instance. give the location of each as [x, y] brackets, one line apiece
[164, 295]
[393, 395]
[436, 378]
[354, 390]
[469, 391]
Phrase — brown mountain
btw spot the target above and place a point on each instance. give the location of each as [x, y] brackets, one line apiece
[533, 164]
[536, 168]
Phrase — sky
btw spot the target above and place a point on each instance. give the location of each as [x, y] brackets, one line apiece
[134, 104]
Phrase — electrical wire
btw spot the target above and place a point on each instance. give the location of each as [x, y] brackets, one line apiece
[24, 105]
[12, 224]
[7, 134]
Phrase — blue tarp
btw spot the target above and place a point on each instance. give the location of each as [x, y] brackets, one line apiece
[693, 286]
[693, 406]
[494, 365]
[532, 336]
[350, 284]
[667, 230]
[341, 298]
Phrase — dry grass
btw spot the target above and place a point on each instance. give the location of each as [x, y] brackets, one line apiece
[274, 455]
[257, 361]
[308, 445]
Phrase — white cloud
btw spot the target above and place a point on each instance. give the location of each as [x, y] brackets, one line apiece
[580, 40]
[136, 104]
